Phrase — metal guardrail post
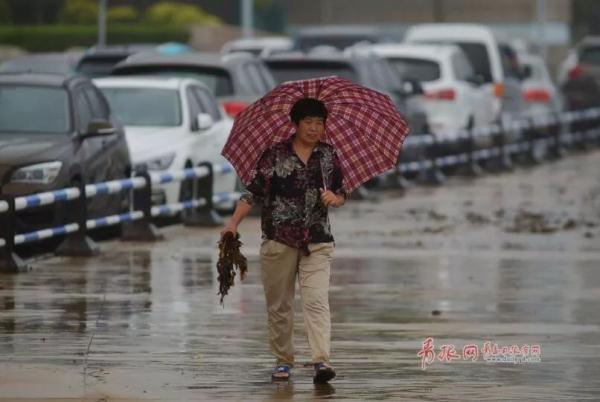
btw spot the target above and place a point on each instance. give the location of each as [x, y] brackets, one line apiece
[596, 127]
[504, 160]
[556, 132]
[530, 135]
[579, 126]
[434, 174]
[472, 167]
[142, 229]
[588, 127]
[79, 244]
[10, 262]
[204, 215]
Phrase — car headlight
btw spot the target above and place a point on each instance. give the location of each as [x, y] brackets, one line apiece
[41, 173]
[160, 163]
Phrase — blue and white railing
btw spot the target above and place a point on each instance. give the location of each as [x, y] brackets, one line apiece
[136, 223]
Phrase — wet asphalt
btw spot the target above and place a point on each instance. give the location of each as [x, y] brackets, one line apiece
[508, 259]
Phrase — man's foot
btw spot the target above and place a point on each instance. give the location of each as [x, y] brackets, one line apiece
[323, 373]
[281, 372]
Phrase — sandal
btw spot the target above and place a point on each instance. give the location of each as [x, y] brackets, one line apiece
[323, 373]
[282, 368]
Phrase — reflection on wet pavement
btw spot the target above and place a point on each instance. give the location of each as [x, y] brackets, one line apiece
[512, 259]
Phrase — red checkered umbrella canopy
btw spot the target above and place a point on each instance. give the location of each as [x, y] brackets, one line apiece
[362, 124]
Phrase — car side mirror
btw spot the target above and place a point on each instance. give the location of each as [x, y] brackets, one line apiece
[204, 121]
[98, 128]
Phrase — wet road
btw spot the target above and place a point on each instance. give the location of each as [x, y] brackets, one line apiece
[512, 259]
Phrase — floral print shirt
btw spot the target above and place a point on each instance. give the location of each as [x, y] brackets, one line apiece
[288, 191]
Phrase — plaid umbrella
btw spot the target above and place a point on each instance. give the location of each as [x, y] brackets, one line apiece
[362, 124]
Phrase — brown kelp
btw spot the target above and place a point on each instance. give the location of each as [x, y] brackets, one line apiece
[230, 259]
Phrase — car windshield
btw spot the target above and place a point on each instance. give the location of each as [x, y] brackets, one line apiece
[217, 80]
[292, 71]
[476, 53]
[415, 69]
[479, 58]
[145, 106]
[34, 109]
[590, 55]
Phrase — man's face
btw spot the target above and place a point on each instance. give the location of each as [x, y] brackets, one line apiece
[311, 129]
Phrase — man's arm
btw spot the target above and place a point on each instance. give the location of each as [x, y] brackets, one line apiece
[242, 209]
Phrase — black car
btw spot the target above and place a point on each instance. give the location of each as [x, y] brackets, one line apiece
[99, 62]
[236, 79]
[339, 37]
[581, 87]
[56, 132]
[364, 68]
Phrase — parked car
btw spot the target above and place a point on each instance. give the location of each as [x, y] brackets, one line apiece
[339, 37]
[360, 66]
[43, 63]
[262, 46]
[491, 56]
[539, 92]
[236, 79]
[453, 97]
[55, 132]
[579, 75]
[99, 61]
[170, 124]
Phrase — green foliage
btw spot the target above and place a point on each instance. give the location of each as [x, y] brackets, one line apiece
[122, 14]
[179, 14]
[46, 38]
[5, 15]
[80, 12]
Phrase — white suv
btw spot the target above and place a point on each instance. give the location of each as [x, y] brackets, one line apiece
[492, 58]
[170, 124]
[453, 97]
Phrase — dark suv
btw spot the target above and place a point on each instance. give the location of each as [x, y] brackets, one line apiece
[581, 85]
[236, 79]
[56, 132]
[99, 62]
[364, 68]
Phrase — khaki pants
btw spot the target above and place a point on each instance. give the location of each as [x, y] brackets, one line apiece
[280, 264]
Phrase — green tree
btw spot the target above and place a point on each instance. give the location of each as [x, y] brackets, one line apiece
[80, 11]
[179, 14]
[122, 14]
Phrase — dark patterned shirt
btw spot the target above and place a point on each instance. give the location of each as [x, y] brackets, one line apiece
[288, 191]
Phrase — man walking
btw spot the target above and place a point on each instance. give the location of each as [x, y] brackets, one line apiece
[296, 181]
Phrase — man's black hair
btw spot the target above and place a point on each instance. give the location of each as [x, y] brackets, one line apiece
[307, 107]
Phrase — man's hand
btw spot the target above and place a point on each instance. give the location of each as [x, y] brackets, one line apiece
[229, 227]
[331, 199]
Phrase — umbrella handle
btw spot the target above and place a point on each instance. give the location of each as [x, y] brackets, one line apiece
[323, 175]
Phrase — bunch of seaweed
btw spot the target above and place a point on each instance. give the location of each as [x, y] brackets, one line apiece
[230, 259]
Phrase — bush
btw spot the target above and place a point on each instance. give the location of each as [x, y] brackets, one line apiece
[122, 14]
[47, 38]
[80, 12]
[179, 14]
